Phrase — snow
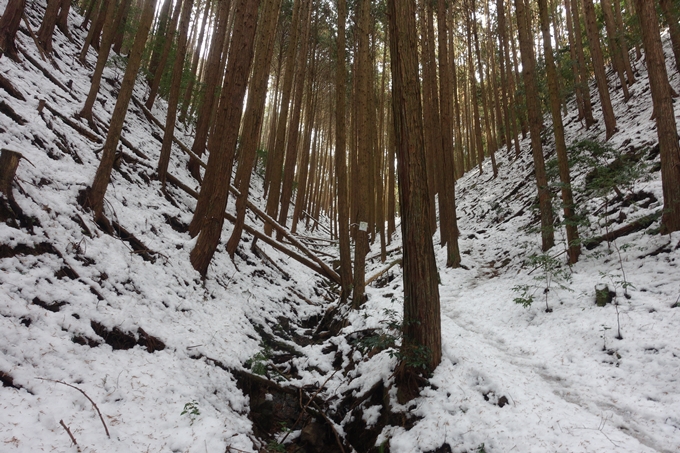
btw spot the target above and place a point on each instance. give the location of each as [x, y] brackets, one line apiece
[567, 383]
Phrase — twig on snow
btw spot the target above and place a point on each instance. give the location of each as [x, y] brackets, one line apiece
[86, 396]
[68, 431]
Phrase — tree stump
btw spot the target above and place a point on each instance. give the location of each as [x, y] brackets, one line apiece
[603, 295]
[9, 161]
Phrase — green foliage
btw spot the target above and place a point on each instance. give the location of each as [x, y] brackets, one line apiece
[481, 449]
[275, 446]
[612, 169]
[258, 363]
[552, 273]
[191, 409]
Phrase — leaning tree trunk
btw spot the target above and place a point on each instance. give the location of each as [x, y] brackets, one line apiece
[9, 25]
[665, 116]
[254, 115]
[49, 21]
[671, 16]
[212, 200]
[173, 96]
[167, 46]
[94, 196]
[421, 345]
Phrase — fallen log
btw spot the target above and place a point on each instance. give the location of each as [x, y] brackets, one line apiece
[45, 72]
[259, 235]
[77, 127]
[633, 227]
[377, 275]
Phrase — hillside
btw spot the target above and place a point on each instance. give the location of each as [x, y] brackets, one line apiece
[116, 342]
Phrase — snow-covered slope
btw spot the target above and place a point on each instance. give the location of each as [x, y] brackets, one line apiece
[157, 350]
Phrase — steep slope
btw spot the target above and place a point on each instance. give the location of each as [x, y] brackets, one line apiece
[165, 356]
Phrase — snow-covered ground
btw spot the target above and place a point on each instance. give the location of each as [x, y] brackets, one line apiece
[565, 383]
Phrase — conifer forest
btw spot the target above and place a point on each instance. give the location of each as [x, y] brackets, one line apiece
[335, 226]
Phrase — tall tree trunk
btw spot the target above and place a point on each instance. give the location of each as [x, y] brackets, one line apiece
[364, 78]
[94, 196]
[598, 68]
[623, 45]
[189, 91]
[213, 76]
[582, 70]
[664, 113]
[278, 154]
[212, 199]
[254, 114]
[62, 20]
[173, 96]
[104, 51]
[49, 21]
[670, 14]
[473, 98]
[422, 323]
[167, 46]
[615, 51]
[9, 25]
[294, 123]
[447, 196]
[534, 114]
[159, 38]
[573, 243]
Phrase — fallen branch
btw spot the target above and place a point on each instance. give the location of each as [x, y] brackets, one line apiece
[68, 431]
[633, 227]
[330, 273]
[86, 396]
[380, 273]
[77, 127]
[35, 38]
[255, 233]
[45, 72]
[155, 120]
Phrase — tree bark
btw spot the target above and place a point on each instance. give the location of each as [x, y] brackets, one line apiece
[213, 76]
[364, 77]
[421, 344]
[615, 52]
[49, 21]
[666, 126]
[94, 196]
[173, 96]
[277, 155]
[598, 68]
[670, 15]
[447, 197]
[254, 115]
[9, 25]
[573, 243]
[535, 121]
[167, 46]
[222, 145]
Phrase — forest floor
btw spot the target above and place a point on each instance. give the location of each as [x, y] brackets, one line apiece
[115, 342]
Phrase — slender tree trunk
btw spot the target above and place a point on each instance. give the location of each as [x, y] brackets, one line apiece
[623, 45]
[62, 20]
[189, 91]
[278, 154]
[364, 76]
[534, 113]
[49, 21]
[670, 15]
[254, 115]
[167, 46]
[598, 68]
[447, 196]
[94, 196]
[422, 322]
[573, 243]
[581, 64]
[159, 38]
[341, 156]
[614, 50]
[173, 96]
[212, 199]
[664, 113]
[473, 98]
[294, 123]
[9, 25]
[213, 77]
[102, 58]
